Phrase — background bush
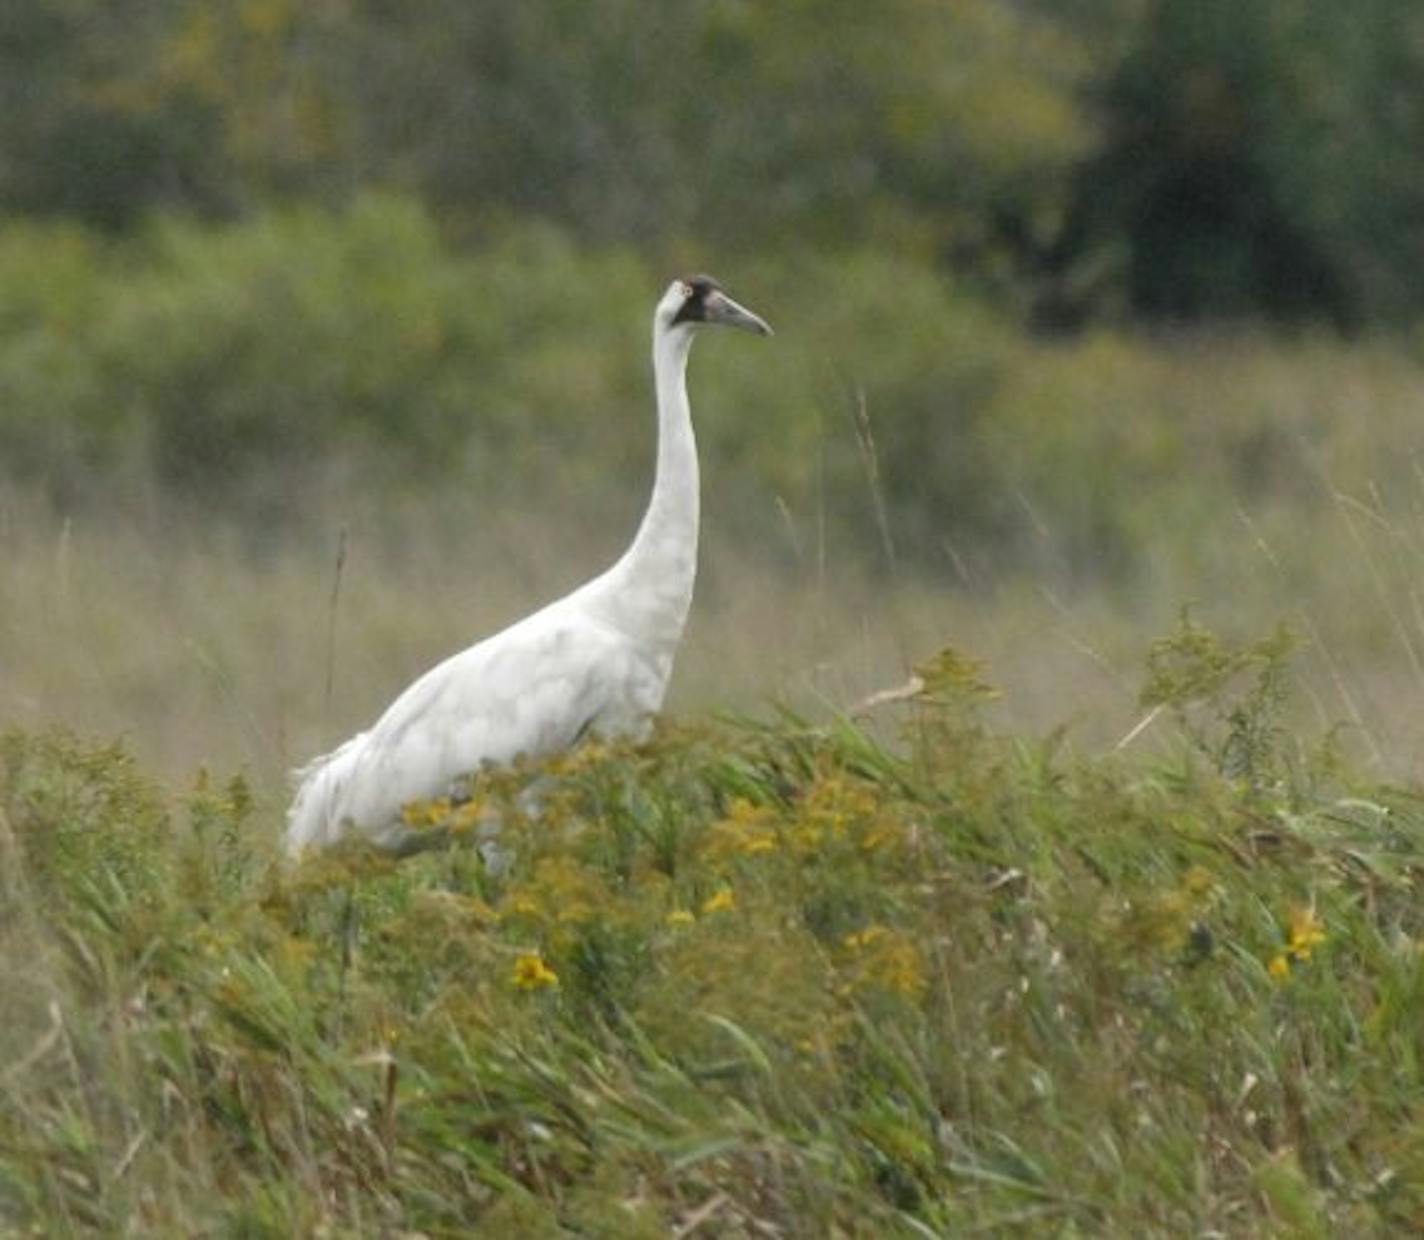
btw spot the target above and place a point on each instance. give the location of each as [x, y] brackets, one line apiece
[1104, 158]
[241, 367]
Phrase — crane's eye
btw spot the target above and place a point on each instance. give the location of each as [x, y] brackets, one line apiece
[684, 290]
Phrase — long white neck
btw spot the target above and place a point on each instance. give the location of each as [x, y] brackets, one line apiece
[650, 588]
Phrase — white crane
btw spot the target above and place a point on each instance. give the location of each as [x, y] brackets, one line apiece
[596, 660]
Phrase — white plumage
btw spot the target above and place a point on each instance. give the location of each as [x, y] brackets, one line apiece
[597, 660]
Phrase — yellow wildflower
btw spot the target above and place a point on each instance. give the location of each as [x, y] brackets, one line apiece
[531, 973]
[877, 836]
[680, 917]
[417, 814]
[1198, 880]
[524, 905]
[1304, 933]
[586, 756]
[721, 901]
[467, 815]
[861, 939]
[1307, 931]
[747, 829]
[882, 959]
[836, 803]
[560, 892]
[806, 836]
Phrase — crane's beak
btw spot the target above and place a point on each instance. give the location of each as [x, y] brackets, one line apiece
[719, 308]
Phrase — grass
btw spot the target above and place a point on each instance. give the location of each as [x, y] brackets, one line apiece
[205, 642]
[1114, 951]
[211, 412]
[767, 978]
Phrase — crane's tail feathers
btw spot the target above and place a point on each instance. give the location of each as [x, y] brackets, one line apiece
[314, 821]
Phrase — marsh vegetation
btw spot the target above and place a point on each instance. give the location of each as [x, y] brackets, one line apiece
[1034, 839]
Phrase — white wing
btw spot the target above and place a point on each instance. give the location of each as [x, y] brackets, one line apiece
[533, 689]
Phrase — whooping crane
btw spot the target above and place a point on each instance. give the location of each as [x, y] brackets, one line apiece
[596, 660]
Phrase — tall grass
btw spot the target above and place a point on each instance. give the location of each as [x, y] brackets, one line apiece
[1111, 950]
[191, 418]
[204, 642]
[743, 980]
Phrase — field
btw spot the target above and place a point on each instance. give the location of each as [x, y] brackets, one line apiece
[1033, 839]
[468, 433]
[750, 979]
[1107, 923]
[1127, 944]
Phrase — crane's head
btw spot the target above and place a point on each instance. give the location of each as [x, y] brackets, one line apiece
[694, 301]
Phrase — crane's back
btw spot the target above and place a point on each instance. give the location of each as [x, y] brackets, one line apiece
[532, 690]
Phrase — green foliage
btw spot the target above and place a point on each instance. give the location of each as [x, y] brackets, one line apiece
[89, 830]
[250, 360]
[1252, 163]
[893, 417]
[1077, 161]
[626, 121]
[222, 356]
[761, 976]
[1192, 673]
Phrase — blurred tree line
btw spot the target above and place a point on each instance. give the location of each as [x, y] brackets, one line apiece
[1076, 160]
[257, 252]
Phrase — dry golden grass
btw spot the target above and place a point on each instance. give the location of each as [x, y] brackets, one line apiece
[742, 981]
[203, 644]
